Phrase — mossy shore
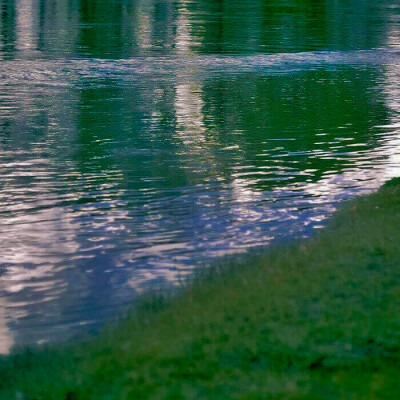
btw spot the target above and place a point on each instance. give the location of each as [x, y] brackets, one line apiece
[317, 320]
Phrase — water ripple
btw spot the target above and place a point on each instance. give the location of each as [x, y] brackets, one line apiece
[64, 72]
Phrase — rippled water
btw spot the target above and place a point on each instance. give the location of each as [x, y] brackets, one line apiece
[139, 139]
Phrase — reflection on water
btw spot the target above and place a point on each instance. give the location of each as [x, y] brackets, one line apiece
[139, 139]
[126, 28]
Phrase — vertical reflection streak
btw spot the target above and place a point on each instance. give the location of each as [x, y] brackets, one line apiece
[6, 336]
[106, 195]
[184, 40]
[26, 25]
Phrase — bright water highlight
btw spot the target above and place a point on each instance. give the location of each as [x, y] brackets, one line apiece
[139, 140]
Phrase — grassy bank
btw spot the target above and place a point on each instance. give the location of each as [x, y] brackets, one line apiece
[319, 320]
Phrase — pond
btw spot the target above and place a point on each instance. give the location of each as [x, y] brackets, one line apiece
[140, 139]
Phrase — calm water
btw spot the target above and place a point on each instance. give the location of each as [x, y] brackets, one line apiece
[139, 139]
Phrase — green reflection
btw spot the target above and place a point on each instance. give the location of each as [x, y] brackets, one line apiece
[321, 120]
[128, 28]
[7, 29]
[119, 172]
[162, 135]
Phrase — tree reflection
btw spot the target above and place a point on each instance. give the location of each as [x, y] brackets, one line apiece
[126, 28]
[118, 175]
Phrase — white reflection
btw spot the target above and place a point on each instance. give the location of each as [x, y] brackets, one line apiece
[6, 336]
[41, 217]
[242, 200]
[145, 25]
[191, 130]
[25, 22]
[242, 191]
[189, 113]
[33, 238]
[393, 35]
[160, 274]
[184, 40]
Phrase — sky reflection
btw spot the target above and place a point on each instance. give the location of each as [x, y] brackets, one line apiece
[125, 163]
[136, 197]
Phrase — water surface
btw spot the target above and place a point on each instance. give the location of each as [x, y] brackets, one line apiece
[141, 139]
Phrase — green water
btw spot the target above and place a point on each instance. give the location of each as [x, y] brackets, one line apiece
[142, 139]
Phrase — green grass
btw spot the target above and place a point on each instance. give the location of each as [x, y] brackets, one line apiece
[317, 320]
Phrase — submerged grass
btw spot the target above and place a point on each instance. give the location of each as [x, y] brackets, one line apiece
[317, 320]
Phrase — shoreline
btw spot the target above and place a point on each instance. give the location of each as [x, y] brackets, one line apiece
[318, 319]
